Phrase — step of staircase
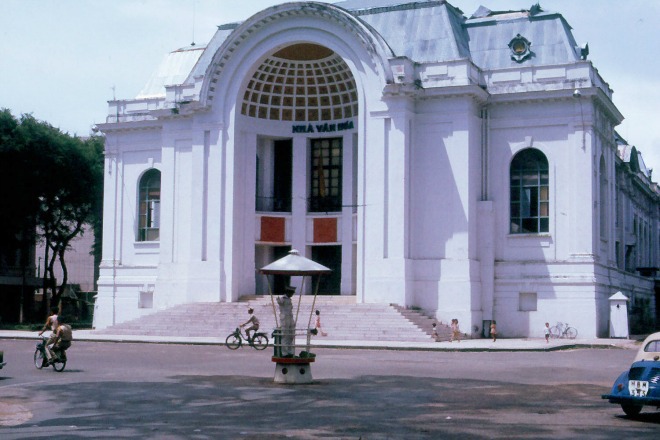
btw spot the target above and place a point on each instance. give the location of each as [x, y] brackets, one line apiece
[342, 318]
[425, 323]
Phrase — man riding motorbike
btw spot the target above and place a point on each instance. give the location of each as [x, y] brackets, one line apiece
[62, 340]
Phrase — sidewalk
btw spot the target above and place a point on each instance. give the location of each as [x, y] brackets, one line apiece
[522, 344]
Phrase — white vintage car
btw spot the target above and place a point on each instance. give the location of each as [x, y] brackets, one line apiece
[640, 385]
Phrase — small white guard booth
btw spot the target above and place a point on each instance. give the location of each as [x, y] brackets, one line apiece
[294, 369]
[618, 316]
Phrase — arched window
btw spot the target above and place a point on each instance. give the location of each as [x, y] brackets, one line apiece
[149, 206]
[530, 196]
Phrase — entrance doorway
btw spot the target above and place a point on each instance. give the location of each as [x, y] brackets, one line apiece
[330, 257]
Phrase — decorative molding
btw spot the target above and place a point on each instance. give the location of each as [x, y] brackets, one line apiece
[327, 12]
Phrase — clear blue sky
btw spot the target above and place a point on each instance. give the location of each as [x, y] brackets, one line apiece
[60, 59]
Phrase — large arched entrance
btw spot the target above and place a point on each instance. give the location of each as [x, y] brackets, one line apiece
[288, 91]
[300, 106]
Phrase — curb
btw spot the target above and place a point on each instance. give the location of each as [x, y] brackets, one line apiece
[522, 345]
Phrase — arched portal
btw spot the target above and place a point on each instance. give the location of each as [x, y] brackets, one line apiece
[290, 88]
[298, 112]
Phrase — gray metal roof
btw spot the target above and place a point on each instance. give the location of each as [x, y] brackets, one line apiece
[211, 48]
[356, 5]
[550, 36]
[427, 31]
[629, 154]
[430, 31]
[173, 69]
[424, 31]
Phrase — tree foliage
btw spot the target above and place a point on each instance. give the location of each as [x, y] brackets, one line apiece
[52, 184]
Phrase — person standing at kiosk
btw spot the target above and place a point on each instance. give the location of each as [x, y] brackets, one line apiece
[287, 323]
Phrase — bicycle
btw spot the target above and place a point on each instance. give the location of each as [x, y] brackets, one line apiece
[41, 360]
[563, 330]
[259, 341]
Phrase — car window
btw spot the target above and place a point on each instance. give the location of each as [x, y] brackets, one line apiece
[652, 347]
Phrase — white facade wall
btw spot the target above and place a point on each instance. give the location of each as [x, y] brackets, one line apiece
[425, 219]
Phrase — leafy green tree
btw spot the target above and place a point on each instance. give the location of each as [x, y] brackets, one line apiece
[17, 202]
[54, 183]
[17, 225]
[95, 146]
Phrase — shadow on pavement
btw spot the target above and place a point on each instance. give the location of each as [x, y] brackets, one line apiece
[368, 407]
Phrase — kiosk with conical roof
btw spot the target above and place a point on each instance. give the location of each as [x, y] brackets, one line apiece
[291, 367]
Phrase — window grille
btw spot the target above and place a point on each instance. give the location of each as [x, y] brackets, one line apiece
[530, 196]
[149, 206]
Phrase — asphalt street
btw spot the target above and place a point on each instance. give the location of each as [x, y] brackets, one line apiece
[163, 391]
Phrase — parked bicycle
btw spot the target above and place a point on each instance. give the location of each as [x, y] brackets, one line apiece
[235, 340]
[41, 360]
[563, 330]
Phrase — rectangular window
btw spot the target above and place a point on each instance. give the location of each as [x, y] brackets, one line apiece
[153, 218]
[326, 175]
[527, 302]
[274, 176]
[146, 300]
[149, 220]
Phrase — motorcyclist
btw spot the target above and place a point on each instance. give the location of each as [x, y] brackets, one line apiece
[62, 340]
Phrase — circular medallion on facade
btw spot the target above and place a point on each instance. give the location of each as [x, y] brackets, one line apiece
[520, 48]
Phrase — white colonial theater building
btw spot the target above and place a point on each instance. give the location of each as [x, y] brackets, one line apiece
[466, 166]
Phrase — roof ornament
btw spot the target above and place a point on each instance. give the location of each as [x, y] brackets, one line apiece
[520, 48]
[535, 9]
[584, 51]
[482, 12]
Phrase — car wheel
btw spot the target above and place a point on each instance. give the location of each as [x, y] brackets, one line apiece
[630, 409]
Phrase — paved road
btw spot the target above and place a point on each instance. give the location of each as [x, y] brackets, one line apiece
[156, 391]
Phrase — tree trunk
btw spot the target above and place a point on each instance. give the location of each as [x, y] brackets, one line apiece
[45, 303]
[52, 280]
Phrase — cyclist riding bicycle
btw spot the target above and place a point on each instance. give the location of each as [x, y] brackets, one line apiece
[62, 340]
[51, 324]
[253, 320]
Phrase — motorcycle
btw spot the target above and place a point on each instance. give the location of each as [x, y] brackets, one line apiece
[41, 360]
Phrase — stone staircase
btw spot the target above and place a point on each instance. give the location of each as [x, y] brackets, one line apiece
[424, 322]
[342, 319]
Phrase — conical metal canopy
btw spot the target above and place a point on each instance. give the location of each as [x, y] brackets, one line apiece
[294, 265]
